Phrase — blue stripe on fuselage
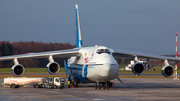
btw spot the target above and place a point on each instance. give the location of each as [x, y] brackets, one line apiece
[85, 71]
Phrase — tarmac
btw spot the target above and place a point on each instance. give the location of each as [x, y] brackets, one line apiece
[140, 89]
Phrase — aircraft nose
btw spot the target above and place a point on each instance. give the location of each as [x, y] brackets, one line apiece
[108, 70]
[106, 67]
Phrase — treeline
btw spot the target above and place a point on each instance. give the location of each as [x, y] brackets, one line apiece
[14, 48]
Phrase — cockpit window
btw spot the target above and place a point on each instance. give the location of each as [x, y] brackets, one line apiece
[99, 51]
[106, 50]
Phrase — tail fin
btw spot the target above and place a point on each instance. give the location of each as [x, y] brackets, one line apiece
[78, 30]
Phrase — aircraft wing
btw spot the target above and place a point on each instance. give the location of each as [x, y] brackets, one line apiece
[59, 53]
[124, 53]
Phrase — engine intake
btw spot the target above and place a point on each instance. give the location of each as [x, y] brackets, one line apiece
[53, 67]
[167, 71]
[138, 68]
[17, 70]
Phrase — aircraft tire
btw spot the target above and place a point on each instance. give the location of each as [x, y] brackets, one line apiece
[37, 86]
[18, 86]
[104, 86]
[55, 87]
[13, 86]
[95, 86]
[107, 87]
[110, 85]
[99, 86]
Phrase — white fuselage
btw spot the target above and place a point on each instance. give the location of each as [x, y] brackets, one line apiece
[95, 64]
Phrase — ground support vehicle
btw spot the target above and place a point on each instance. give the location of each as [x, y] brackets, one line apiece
[24, 81]
[51, 82]
[47, 82]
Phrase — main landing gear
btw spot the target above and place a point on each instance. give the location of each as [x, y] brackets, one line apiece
[103, 84]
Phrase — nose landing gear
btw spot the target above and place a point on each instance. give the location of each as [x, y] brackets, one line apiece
[103, 84]
[98, 85]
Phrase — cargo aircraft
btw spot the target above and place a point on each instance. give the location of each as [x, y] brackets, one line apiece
[94, 64]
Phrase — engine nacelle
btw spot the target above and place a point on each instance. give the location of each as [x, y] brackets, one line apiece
[53, 67]
[17, 70]
[167, 71]
[138, 68]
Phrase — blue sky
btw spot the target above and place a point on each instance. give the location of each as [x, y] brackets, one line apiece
[147, 26]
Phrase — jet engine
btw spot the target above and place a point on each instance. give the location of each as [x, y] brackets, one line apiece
[17, 70]
[138, 68]
[53, 67]
[167, 71]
